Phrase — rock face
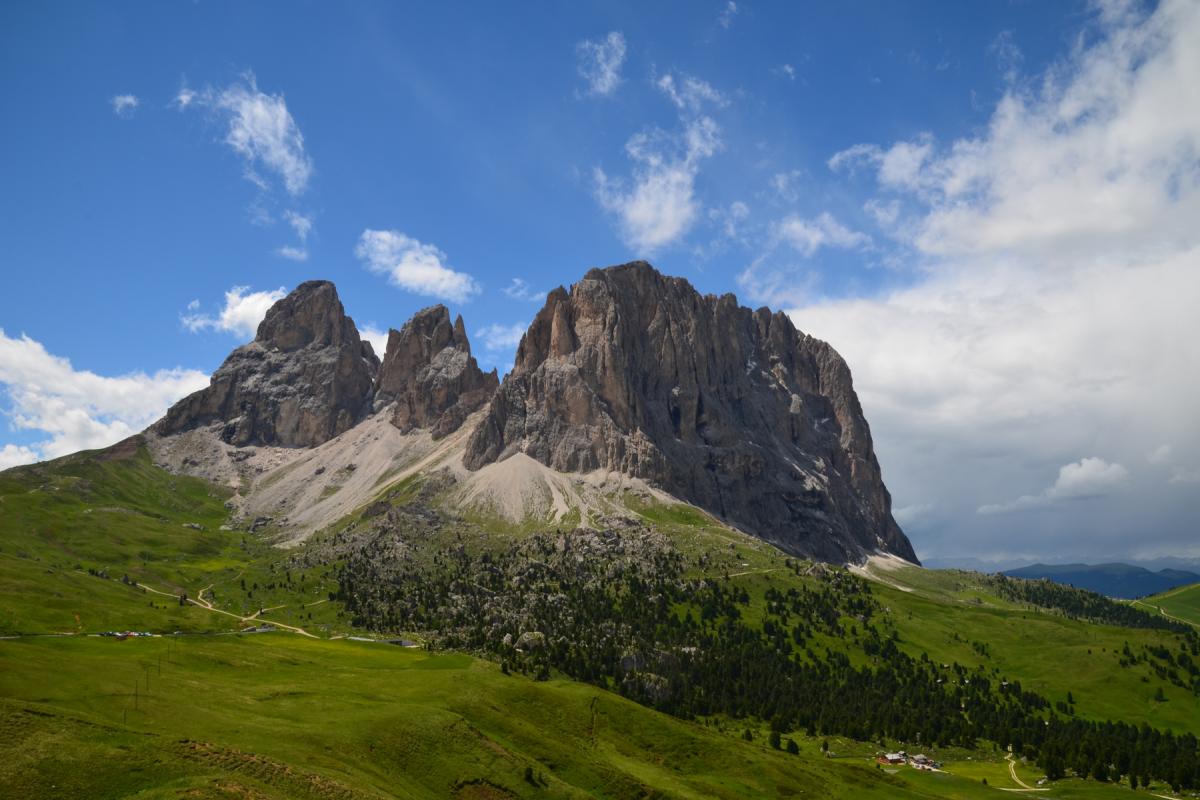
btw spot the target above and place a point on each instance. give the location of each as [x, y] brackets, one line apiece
[731, 409]
[428, 371]
[305, 378]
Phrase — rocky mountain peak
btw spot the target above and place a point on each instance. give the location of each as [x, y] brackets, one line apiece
[311, 315]
[305, 378]
[731, 409]
[429, 373]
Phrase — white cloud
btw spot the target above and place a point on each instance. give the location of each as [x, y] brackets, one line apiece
[241, 314]
[184, 98]
[300, 223]
[1079, 480]
[501, 337]
[690, 94]
[123, 105]
[376, 336]
[260, 129]
[1055, 274]
[809, 235]
[727, 14]
[658, 206]
[885, 213]
[1104, 153]
[79, 409]
[12, 455]
[414, 266]
[763, 281]
[730, 219]
[519, 290]
[898, 167]
[599, 63]
[293, 253]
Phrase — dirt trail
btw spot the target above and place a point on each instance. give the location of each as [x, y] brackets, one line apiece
[1158, 610]
[207, 606]
[1025, 787]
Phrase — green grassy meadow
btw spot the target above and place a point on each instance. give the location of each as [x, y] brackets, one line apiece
[1182, 603]
[98, 543]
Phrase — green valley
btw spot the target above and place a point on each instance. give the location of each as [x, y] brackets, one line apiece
[109, 542]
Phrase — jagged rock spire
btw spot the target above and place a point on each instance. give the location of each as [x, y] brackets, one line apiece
[429, 373]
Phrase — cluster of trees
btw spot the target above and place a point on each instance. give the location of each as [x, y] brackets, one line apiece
[1082, 604]
[616, 609]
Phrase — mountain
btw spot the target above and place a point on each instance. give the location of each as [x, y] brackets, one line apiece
[428, 372]
[730, 409]
[629, 373]
[305, 378]
[1113, 580]
[571, 622]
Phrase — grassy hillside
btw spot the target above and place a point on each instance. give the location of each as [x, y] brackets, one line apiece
[90, 543]
[283, 716]
[86, 542]
[280, 716]
[1182, 603]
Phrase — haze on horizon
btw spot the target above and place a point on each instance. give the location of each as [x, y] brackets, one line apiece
[990, 211]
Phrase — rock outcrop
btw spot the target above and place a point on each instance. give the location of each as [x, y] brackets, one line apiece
[731, 409]
[305, 378]
[430, 374]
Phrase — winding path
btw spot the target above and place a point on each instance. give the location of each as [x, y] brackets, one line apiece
[207, 606]
[1158, 610]
[1012, 771]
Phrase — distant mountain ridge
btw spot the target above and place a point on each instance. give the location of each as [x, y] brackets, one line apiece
[1113, 580]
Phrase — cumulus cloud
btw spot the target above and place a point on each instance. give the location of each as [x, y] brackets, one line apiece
[1086, 478]
[899, 166]
[414, 266]
[498, 338]
[78, 409]
[658, 205]
[807, 236]
[599, 63]
[260, 129]
[13, 455]
[785, 71]
[123, 105]
[240, 315]
[1055, 269]
[519, 290]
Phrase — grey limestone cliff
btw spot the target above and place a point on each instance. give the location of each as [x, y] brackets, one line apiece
[731, 409]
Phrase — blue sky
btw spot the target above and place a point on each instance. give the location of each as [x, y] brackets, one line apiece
[952, 194]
